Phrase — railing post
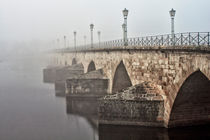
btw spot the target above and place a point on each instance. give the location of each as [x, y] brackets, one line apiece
[174, 39]
[142, 41]
[181, 39]
[169, 40]
[208, 38]
[151, 41]
[138, 42]
[189, 39]
[162, 39]
[146, 41]
[198, 39]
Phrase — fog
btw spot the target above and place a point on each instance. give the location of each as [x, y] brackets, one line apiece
[45, 21]
[30, 28]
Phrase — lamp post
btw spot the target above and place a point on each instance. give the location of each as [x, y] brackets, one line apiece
[67, 43]
[75, 33]
[91, 31]
[85, 40]
[58, 43]
[172, 14]
[99, 38]
[124, 40]
[125, 15]
[64, 41]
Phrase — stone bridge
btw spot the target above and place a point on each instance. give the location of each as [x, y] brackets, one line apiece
[181, 70]
[183, 74]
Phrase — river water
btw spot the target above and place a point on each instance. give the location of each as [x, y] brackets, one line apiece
[29, 110]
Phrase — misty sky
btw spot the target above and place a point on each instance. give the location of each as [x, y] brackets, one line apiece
[24, 20]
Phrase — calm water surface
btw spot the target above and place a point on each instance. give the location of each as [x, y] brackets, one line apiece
[29, 110]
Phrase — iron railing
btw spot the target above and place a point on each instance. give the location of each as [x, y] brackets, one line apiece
[179, 39]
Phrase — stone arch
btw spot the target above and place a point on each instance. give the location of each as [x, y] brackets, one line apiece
[192, 101]
[121, 78]
[91, 67]
[74, 61]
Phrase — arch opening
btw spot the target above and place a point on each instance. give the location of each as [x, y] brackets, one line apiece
[91, 67]
[192, 103]
[74, 62]
[121, 78]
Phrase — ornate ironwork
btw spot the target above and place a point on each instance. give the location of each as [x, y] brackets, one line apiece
[180, 39]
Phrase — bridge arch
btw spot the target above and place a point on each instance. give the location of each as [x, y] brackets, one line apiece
[192, 101]
[91, 66]
[121, 78]
[74, 61]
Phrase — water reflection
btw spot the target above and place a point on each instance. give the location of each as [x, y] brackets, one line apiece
[87, 108]
[107, 132]
[84, 106]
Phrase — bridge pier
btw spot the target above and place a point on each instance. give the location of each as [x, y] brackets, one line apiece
[141, 104]
[64, 73]
[59, 74]
[91, 83]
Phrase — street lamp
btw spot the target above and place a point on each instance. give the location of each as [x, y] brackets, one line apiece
[172, 14]
[85, 40]
[99, 38]
[58, 43]
[91, 31]
[75, 33]
[125, 39]
[123, 27]
[64, 41]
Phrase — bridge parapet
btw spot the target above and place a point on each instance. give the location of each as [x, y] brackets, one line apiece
[191, 39]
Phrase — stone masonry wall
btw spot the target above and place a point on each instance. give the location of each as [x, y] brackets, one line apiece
[86, 86]
[146, 113]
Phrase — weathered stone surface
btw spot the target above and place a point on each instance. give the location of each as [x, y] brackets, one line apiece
[92, 82]
[137, 105]
[68, 72]
[140, 92]
[96, 74]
